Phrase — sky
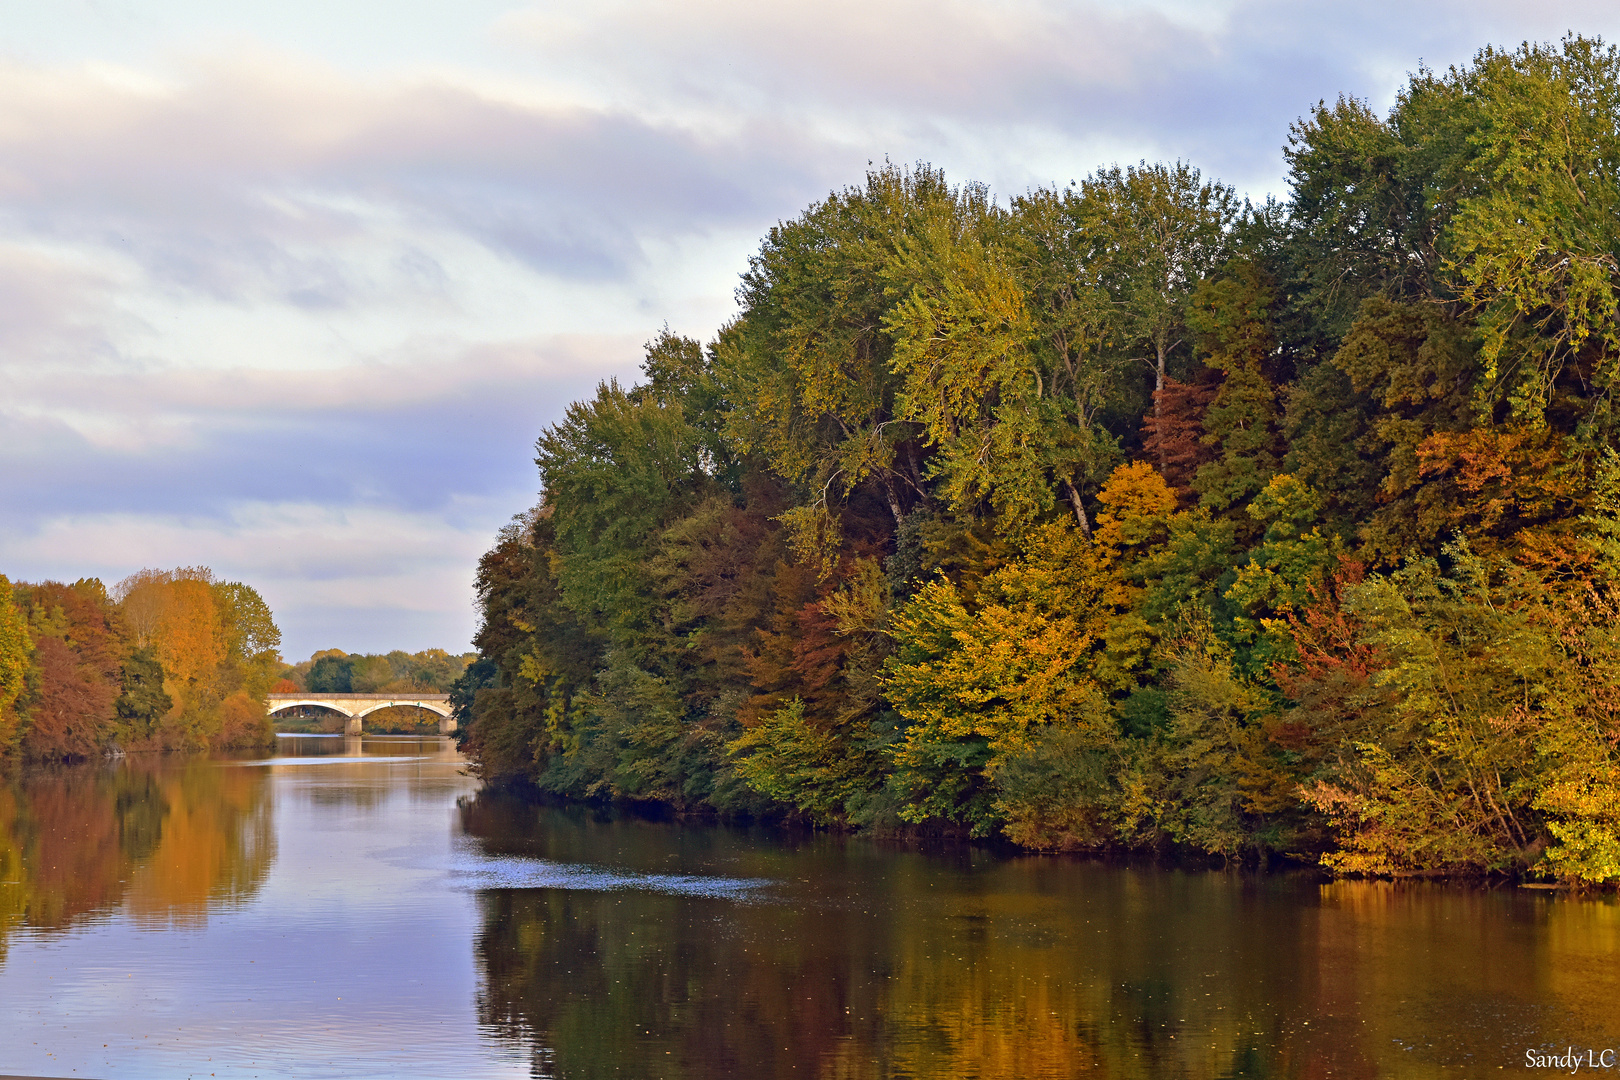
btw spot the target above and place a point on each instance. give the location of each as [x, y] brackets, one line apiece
[290, 289]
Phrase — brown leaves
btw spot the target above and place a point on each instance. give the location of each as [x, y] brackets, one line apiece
[1500, 481]
[1173, 433]
[73, 707]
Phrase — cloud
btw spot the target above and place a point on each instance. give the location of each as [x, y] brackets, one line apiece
[373, 577]
[260, 284]
[418, 432]
[247, 176]
[53, 309]
[969, 80]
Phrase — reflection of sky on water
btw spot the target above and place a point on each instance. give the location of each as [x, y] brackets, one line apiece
[472, 870]
[352, 959]
[390, 760]
[381, 920]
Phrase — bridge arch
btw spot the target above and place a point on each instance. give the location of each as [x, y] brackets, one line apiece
[280, 705]
[357, 706]
[442, 708]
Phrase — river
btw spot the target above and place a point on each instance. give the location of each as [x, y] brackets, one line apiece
[357, 908]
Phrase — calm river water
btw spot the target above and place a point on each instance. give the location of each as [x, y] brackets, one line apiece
[356, 907]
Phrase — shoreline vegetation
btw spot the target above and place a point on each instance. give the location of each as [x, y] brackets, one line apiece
[169, 660]
[1122, 516]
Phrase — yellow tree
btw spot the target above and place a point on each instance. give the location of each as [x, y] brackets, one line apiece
[189, 648]
[976, 686]
[218, 645]
[15, 649]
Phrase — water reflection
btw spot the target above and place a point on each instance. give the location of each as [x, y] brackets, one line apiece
[365, 772]
[859, 961]
[160, 838]
[334, 910]
[291, 915]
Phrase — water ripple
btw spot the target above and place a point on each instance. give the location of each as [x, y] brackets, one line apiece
[513, 872]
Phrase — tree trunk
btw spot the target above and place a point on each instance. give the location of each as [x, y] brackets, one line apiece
[1158, 378]
[1079, 508]
[893, 496]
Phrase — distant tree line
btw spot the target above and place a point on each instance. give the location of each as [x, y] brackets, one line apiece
[333, 671]
[1125, 514]
[170, 659]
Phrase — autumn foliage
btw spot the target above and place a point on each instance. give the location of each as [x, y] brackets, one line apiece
[1122, 514]
[168, 660]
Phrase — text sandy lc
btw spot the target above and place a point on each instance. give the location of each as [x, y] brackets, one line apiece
[1572, 1059]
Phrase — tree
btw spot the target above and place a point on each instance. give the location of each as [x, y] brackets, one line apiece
[142, 704]
[1443, 775]
[1173, 433]
[251, 638]
[1232, 315]
[961, 343]
[1340, 577]
[1366, 209]
[1531, 248]
[215, 643]
[807, 366]
[974, 687]
[1158, 230]
[16, 649]
[331, 675]
[616, 471]
[79, 643]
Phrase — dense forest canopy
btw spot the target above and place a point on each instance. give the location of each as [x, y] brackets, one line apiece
[1124, 514]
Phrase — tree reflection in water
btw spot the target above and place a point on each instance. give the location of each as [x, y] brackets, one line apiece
[860, 961]
[163, 838]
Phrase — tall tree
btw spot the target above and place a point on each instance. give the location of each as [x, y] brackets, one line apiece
[807, 366]
[1157, 230]
[1532, 248]
[79, 645]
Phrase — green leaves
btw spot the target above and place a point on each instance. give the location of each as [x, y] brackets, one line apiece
[1153, 232]
[807, 366]
[616, 471]
[963, 350]
[1533, 248]
[1494, 711]
[976, 686]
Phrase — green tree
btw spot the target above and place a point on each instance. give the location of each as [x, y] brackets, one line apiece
[1232, 315]
[252, 639]
[331, 675]
[142, 704]
[1157, 230]
[1443, 774]
[616, 472]
[807, 366]
[1532, 246]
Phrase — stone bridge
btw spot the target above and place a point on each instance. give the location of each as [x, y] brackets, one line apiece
[356, 706]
